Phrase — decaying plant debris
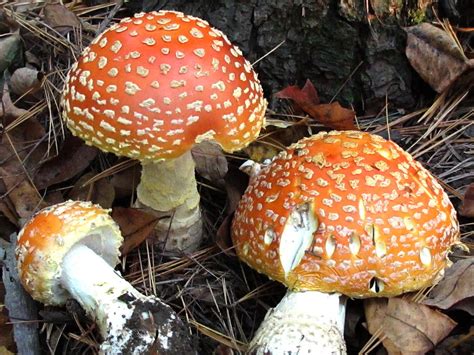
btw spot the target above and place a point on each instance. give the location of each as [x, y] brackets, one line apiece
[223, 300]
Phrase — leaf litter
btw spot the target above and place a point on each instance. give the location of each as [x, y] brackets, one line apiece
[223, 299]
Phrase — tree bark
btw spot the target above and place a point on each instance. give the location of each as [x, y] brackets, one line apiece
[352, 54]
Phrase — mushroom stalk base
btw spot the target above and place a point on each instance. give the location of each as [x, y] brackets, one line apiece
[129, 322]
[169, 189]
[303, 322]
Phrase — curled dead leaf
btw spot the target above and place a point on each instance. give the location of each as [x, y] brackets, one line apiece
[436, 57]
[331, 115]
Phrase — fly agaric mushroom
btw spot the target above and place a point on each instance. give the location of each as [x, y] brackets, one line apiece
[151, 87]
[340, 213]
[69, 250]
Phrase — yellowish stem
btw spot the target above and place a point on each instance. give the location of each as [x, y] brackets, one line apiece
[169, 189]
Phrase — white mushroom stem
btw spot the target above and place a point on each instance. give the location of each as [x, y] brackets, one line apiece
[169, 188]
[125, 317]
[302, 323]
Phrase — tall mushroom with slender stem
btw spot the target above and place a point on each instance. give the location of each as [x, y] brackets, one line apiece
[69, 250]
[152, 86]
[340, 213]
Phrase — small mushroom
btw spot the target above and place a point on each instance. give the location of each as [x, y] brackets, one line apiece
[349, 213]
[152, 86]
[69, 250]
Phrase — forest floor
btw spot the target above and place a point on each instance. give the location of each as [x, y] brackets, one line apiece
[222, 299]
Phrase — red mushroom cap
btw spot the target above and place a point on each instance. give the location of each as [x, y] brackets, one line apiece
[371, 220]
[155, 84]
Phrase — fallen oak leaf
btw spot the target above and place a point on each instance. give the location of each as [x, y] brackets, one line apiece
[455, 287]
[375, 309]
[414, 327]
[332, 115]
[408, 326]
[136, 226]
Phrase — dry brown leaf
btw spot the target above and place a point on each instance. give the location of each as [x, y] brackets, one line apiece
[375, 309]
[331, 115]
[101, 192]
[20, 156]
[25, 80]
[8, 111]
[414, 327]
[410, 327]
[435, 56]
[456, 286]
[467, 207]
[60, 18]
[21, 192]
[73, 158]
[210, 161]
[136, 226]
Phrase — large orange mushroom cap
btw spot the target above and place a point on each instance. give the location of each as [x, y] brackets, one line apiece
[372, 221]
[155, 84]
